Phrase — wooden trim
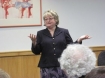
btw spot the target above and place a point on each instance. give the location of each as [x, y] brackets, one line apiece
[16, 53]
[28, 52]
[98, 48]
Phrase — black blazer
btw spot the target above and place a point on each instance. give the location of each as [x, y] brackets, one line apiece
[50, 47]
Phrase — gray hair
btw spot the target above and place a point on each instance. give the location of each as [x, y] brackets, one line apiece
[3, 74]
[52, 13]
[77, 60]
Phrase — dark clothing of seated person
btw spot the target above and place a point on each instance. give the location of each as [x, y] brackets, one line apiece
[98, 72]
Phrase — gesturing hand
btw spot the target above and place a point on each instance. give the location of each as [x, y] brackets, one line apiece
[83, 37]
[33, 38]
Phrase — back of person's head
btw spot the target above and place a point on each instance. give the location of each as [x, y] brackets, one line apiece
[101, 58]
[3, 74]
[77, 60]
[98, 72]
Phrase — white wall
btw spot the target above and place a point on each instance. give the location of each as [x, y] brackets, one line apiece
[79, 16]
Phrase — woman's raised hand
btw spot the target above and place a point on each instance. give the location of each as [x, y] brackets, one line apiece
[84, 37]
[33, 38]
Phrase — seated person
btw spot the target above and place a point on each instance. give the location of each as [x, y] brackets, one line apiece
[98, 72]
[77, 60]
[3, 74]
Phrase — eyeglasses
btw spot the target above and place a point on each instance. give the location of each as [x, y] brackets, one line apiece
[48, 19]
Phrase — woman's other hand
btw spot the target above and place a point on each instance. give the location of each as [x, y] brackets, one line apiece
[33, 38]
[84, 37]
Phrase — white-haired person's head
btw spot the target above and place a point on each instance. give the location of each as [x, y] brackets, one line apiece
[4, 74]
[77, 60]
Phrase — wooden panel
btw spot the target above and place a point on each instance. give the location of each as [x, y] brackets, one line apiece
[23, 64]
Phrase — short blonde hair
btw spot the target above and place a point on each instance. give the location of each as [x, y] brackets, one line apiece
[52, 13]
[3, 74]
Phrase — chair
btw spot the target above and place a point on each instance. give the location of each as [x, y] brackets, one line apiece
[101, 59]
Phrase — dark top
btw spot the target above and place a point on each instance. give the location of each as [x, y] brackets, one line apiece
[50, 47]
